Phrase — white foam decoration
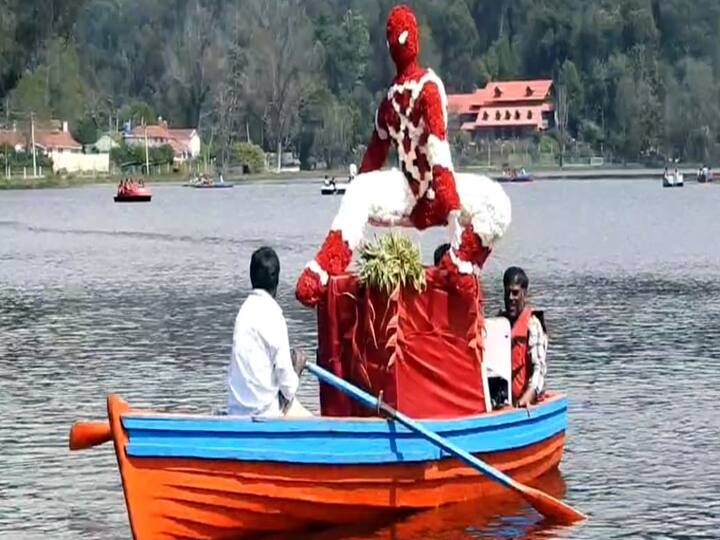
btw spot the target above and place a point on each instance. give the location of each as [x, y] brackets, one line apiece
[464, 267]
[322, 274]
[486, 205]
[382, 195]
[455, 228]
[386, 196]
[438, 153]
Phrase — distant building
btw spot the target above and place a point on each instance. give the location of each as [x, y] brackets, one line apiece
[57, 141]
[506, 109]
[12, 138]
[67, 154]
[184, 142]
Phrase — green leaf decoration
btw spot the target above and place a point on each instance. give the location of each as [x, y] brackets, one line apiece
[389, 262]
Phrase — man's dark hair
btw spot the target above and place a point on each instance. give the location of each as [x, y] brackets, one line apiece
[439, 252]
[265, 269]
[514, 275]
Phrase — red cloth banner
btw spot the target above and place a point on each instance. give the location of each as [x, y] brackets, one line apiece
[419, 351]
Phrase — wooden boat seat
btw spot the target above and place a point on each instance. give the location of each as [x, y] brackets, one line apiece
[497, 357]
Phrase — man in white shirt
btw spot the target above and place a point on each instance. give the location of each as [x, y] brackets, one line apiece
[263, 374]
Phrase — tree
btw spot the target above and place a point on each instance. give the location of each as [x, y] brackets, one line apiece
[569, 79]
[195, 63]
[25, 28]
[563, 108]
[346, 50]
[55, 88]
[628, 138]
[253, 69]
[85, 130]
[250, 156]
[460, 66]
[284, 61]
[335, 139]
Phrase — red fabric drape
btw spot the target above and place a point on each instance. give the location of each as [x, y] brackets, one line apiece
[422, 351]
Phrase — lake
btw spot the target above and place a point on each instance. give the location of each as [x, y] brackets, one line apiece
[97, 297]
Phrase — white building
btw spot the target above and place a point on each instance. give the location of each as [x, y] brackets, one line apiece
[185, 143]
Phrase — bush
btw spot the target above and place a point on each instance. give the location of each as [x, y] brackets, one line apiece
[8, 156]
[250, 156]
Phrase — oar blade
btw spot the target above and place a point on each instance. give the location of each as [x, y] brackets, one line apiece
[88, 434]
[552, 509]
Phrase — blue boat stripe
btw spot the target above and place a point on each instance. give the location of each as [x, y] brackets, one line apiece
[330, 425]
[342, 443]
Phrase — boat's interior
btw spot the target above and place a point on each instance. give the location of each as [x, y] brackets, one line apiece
[497, 358]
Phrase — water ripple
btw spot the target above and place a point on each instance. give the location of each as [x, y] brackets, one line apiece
[140, 300]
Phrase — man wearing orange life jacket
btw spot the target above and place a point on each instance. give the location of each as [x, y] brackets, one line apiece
[529, 340]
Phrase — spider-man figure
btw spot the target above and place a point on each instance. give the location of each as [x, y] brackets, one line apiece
[413, 117]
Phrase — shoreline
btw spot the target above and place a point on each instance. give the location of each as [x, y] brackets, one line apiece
[568, 173]
[58, 182]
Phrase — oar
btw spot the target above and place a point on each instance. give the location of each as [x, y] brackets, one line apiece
[88, 434]
[550, 507]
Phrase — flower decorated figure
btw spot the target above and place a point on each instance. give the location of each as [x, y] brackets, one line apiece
[425, 191]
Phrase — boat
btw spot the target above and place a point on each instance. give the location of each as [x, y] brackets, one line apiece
[133, 194]
[673, 180]
[200, 476]
[205, 182]
[704, 177]
[513, 179]
[333, 188]
[215, 185]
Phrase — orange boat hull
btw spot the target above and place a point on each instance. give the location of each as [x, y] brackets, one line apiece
[169, 497]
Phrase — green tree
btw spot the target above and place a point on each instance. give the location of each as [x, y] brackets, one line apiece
[85, 130]
[459, 56]
[345, 50]
[569, 78]
[138, 112]
[335, 139]
[250, 156]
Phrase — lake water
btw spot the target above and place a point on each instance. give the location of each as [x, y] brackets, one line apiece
[97, 297]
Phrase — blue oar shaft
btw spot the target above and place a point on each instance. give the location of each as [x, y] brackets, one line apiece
[373, 403]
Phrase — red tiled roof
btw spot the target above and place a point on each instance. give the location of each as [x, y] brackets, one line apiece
[178, 147]
[56, 139]
[504, 91]
[12, 138]
[181, 134]
[153, 132]
[463, 103]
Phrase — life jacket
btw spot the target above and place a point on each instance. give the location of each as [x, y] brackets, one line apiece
[521, 365]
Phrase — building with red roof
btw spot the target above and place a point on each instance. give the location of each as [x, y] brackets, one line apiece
[506, 109]
[184, 142]
[57, 141]
[12, 138]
